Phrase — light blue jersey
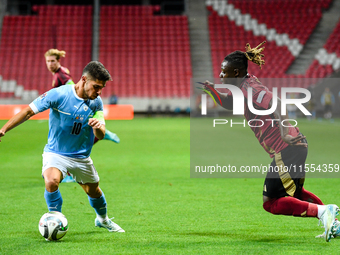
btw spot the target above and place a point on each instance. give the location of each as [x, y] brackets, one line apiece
[69, 134]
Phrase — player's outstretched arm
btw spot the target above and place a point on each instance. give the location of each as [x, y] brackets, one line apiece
[16, 120]
[284, 130]
[98, 128]
[227, 101]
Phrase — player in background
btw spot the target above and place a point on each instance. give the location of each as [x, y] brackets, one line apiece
[70, 138]
[61, 75]
[283, 191]
[327, 100]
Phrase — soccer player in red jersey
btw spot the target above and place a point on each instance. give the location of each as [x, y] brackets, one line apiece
[61, 75]
[283, 191]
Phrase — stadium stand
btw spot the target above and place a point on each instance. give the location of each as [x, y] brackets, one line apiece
[281, 23]
[222, 41]
[149, 55]
[332, 44]
[285, 16]
[327, 59]
[25, 39]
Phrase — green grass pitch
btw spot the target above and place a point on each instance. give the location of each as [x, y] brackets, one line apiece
[146, 180]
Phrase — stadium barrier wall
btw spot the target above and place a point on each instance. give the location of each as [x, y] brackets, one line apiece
[111, 112]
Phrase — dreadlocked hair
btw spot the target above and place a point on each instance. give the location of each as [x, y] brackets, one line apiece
[254, 54]
[239, 59]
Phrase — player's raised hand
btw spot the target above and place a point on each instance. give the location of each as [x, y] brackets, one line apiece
[295, 141]
[208, 85]
[94, 123]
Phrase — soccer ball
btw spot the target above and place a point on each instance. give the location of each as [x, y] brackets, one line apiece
[53, 226]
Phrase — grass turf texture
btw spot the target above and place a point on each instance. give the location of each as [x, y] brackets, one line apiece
[147, 184]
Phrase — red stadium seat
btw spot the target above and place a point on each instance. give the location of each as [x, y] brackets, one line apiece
[34, 34]
[144, 52]
[286, 17]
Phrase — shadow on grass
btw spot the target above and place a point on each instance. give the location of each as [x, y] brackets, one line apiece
[71, 237]
[84, 233]
[212, 234]
[237, 236]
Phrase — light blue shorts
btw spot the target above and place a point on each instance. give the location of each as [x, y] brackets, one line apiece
[81, 169]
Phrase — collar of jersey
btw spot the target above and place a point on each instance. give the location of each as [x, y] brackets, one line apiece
[75, 93]
[244, 78]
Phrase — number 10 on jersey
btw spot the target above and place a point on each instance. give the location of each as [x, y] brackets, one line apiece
[76, 128]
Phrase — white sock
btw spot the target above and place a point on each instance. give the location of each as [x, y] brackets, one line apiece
[321, 210]
[102, 218]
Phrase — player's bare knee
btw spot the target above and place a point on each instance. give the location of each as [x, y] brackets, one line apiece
[52, 184]
[52, 175]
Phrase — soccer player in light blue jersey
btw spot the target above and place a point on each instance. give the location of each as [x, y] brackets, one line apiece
[76, 117]
[62, 76]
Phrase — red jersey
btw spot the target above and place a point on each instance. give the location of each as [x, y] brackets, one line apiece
[61, 77]
[269, 134]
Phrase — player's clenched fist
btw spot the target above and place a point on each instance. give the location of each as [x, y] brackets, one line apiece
[94, 123]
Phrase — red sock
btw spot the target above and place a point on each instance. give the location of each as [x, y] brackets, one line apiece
[291, 206]
[306, 195]
[95, 140]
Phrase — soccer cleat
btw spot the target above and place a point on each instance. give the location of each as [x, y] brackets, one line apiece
[111, 136]
[335, 231]
[336, 228]
[68, 178]
[328, 219]
[109, 225]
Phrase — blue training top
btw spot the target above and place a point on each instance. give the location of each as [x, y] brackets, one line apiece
[69, 133]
